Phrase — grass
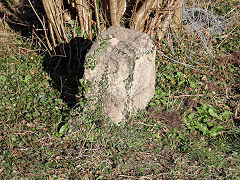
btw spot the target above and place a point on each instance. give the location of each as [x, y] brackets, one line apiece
[190, 129]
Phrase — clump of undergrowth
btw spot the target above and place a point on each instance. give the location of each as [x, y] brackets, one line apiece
[30, 110]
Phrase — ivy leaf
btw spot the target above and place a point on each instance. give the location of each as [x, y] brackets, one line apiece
[180, 74]
[213, 134]
[86, 89]
[192, 84]
[2, 79]
[191, 116]
[209, 124]
[217, 128]
[64, 129]
[212, 112]
[181, 82]
[202, 128]
[226, 114]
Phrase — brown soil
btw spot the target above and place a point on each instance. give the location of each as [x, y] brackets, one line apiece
[233, 59]
[172, 118]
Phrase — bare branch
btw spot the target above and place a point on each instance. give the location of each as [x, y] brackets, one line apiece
[83, 10]
[122, 4]
[51, 19]
[177, 18]
[113, 12]
[97, 16]
[43, 25]
[162, 25]
[90, 24]
[142, 14]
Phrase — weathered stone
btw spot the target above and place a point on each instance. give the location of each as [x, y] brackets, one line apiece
[121, 68]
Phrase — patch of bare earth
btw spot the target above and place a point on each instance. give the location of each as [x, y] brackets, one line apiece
[172, 118]
[233, 59]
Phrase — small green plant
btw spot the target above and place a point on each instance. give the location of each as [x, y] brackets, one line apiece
[83, 87]
[205, 120]
[91, 60]
[64, 128]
